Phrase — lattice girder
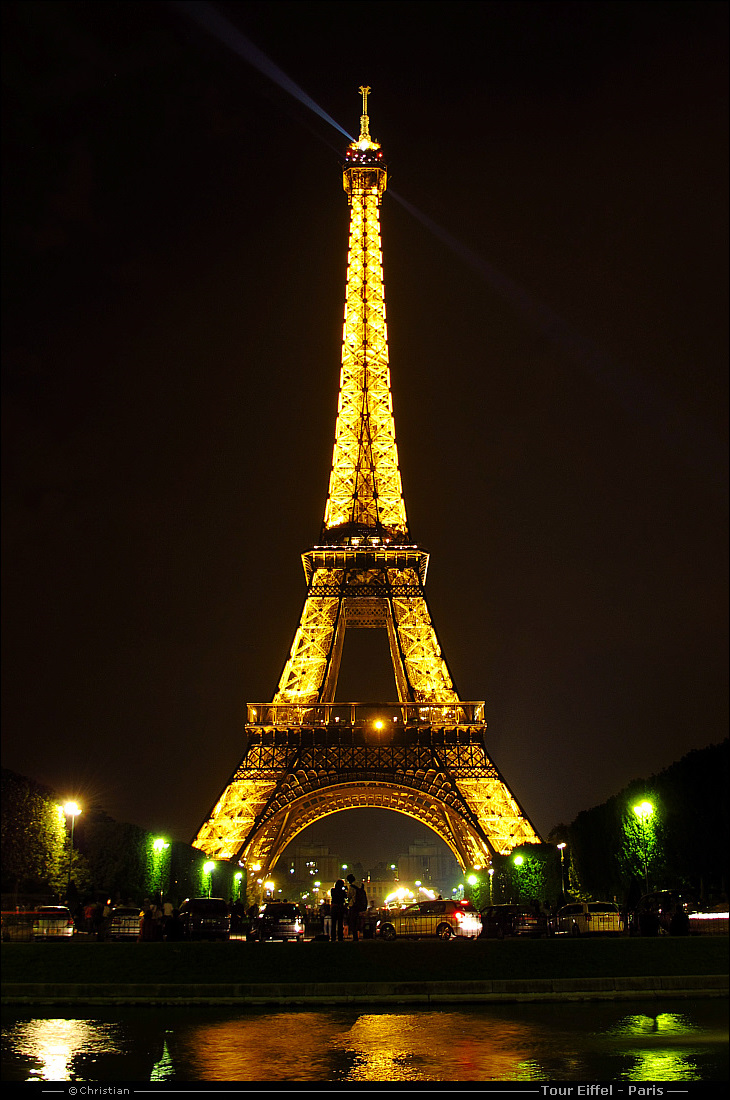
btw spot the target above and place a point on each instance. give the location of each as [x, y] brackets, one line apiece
[443, 776]
[365, 594]
[311, 651]
[365, 487]
[271, 839]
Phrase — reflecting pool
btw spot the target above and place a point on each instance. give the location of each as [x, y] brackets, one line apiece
[607, 1041]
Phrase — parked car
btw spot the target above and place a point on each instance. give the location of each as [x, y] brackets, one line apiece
[661, 912]
[123, 923]
[440, 918]
[499, 921]
[582, 918]
[52, 922]
[205, 919]
[17, 924]
[277, 920]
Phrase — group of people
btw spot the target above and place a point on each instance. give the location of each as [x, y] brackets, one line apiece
[159, 922]
[348, 905]
[92, 917]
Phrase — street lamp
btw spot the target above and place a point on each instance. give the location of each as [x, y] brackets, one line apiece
[642, 811]
[72, 810]
[159, 844]
[561, 849]
[490, 872]
[208, 869]
[238, 879]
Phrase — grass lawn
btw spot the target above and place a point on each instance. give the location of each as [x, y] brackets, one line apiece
[369, 960]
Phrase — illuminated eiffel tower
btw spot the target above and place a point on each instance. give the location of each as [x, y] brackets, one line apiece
[306, 756]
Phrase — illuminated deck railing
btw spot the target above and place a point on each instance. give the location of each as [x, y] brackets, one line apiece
[398, 715]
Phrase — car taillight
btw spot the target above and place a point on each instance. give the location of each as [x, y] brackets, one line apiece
[459, 915]
[69, 922]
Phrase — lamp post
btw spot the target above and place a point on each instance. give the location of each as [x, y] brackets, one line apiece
[238, 879]
[490, 872]
[642, 811]
[159, 844]
[208, 869]
[561, 849]
[518, 862]
[72, 810]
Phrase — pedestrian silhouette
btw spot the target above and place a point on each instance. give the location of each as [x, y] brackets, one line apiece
[339, 896]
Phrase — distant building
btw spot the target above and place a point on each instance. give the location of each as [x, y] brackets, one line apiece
[430, 863]
[310, 863]
[378, 890]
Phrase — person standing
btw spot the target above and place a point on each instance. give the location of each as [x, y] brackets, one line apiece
[357, 903]
[167, 911]
[326, 911]
[339, 897]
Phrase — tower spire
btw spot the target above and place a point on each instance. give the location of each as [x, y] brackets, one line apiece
[364, 120]
[365, 493]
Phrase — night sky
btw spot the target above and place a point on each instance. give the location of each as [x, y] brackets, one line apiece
[175, 239]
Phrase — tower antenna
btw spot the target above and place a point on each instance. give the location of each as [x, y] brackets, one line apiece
[364, 120]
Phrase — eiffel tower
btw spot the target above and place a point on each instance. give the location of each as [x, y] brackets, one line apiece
[307, 756]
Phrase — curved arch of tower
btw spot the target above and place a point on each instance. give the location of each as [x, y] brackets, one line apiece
[305, 755]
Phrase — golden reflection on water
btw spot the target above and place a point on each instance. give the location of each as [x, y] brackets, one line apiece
[519, 1043]
[400, 1046]
[273, 1047]
[54, 1044]
[409, 1047]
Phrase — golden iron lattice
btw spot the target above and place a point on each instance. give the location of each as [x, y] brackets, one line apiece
[307, 756]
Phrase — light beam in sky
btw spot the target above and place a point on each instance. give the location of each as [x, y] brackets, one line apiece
[641, 400]
[221, 28]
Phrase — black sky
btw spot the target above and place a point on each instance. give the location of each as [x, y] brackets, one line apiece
[175, 237]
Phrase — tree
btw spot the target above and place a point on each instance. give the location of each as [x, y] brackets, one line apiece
[35, 846]
[683, 841]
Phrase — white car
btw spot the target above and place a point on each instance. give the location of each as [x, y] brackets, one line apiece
[52, 922]
[589, 918]
[442, 918]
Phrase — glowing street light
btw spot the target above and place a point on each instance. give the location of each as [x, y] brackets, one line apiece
[159, 844]
[72, 810]
[643, 811]
[490, 872]
[238, 878]
[208, 869]
[561, 849]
